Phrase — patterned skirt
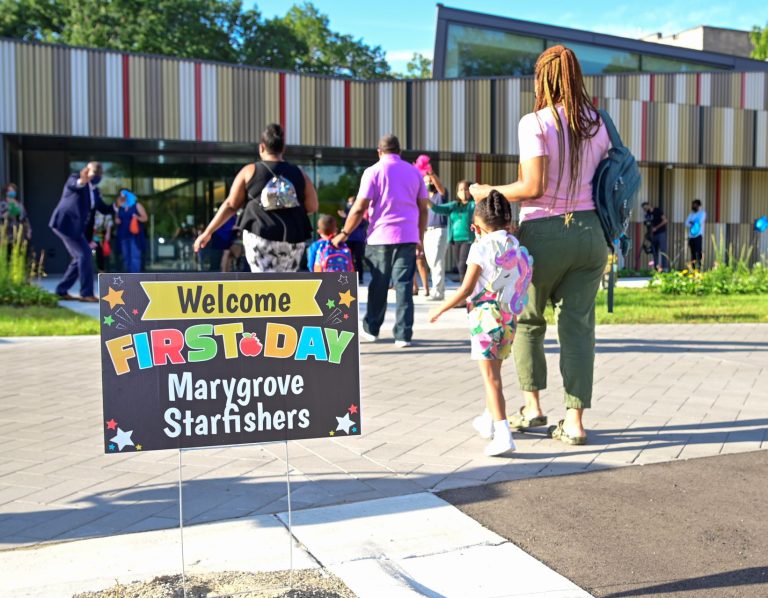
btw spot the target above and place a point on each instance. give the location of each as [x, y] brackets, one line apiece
[272, 256]
[492, 331]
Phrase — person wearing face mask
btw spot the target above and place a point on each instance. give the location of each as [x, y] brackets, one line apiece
[695, 225]
[72, 221]
[12, 211]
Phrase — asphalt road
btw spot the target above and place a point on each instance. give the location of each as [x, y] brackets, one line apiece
[687, 528]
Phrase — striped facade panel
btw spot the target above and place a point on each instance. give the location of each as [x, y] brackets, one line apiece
[323, 112]
[726, 90]
[430, 115]
[685, 88]
[338, 113]
[444, 109]
[755, 186]
[137, 96]
[478, 117]
[461, 117]
[385, 109]
[371, 109]
[308, 113]
[8, 87]
[705, 89]
[628, 118]
[507, 116]
[673, 133]
[269, 84]
[664, 88]
[292, 101]
[186, 110]
[209, 102]
[113, 71]
[756, 91]
[761, 139]
[729, 136]
[634, 87]
[79, 92]
[731, 197]
[97, 94]
[224, 101]
[170, 91]
[36, 113]
[356, 116]
[62, 95]
[399, 110]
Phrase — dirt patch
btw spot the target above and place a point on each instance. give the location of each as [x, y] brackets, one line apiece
[307, 583]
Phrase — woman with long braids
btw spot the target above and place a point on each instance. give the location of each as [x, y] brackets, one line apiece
[561, 144]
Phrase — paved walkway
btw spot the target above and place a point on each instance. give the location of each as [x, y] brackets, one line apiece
[662, 393]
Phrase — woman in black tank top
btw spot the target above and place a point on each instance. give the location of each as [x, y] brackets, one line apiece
[277, 197]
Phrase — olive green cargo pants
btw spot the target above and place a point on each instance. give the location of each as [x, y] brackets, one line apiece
[568, 263]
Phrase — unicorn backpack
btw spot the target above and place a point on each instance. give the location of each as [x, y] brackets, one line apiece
[514, 269]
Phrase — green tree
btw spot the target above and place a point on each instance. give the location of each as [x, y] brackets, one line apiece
[301, 40]
[418, 67]
[759, 37]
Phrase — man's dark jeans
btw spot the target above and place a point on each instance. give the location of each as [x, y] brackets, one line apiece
[396, 263]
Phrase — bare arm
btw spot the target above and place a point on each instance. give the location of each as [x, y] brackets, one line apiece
[660, 224]
[354, 218]
[462, 293]
[142, 216]
[311, 203]
[229, 208]
[530, 185]
[437, 183]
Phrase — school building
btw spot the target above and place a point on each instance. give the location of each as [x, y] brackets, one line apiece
[177, 131]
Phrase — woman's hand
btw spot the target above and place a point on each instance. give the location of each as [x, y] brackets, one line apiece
[435, 313]
[202, 241]
[479, 192]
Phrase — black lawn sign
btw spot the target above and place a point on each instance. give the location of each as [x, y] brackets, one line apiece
[195, 360]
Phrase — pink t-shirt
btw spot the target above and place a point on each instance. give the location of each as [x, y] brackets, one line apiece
[394, 188]
[538, 137]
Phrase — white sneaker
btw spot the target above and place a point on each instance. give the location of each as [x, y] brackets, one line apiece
[499, 445]
[367, 337]
[437, 296]
[403, 344]
[483, 425]
[502, 440]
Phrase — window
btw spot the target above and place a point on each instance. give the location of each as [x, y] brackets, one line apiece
[656, 64]
[598, 60]
[476, 52]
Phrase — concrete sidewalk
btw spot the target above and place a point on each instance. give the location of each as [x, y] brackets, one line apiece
[662, 393]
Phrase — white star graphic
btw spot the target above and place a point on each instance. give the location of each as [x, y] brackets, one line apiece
[344, 423]
[117, 280]
[122, 439]
[343, 279]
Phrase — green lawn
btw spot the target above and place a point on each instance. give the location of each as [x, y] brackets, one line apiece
[633, 306]
[44, 321]
[647, 306]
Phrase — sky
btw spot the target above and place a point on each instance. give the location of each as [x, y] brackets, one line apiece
[402, 27]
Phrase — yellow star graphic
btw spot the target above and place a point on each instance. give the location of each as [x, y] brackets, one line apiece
[332, 433]
[113, 298]
[346, 298]
[138, 447]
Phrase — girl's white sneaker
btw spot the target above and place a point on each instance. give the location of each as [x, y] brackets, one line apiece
[502, 440]
[483, 425]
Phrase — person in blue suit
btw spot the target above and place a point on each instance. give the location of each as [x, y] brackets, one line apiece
[69, 222]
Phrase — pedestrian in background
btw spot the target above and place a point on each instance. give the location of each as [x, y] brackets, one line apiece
[656, 227]
[130, 219]
[393, 193]
[72, 219]
[460, 213]
[357, 239]
[695, 225]
[13, 214]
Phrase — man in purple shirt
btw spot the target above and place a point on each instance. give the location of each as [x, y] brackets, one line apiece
[396, 199]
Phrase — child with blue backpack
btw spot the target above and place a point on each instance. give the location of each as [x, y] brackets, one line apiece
[323, 256]
[495, 287]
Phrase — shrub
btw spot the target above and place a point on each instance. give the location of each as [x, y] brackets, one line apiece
[730, 275]
[17, 269]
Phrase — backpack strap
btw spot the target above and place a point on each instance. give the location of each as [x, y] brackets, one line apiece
[613, 134]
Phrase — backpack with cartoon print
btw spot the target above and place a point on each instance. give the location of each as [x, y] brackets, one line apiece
[514, 269]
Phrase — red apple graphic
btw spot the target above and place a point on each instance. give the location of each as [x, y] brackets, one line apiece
[250, 344]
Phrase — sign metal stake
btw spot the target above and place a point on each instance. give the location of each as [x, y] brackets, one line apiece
[290, 522]
[181, 533]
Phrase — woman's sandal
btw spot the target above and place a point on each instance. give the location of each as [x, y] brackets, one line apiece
[558, 433]
[518, 421]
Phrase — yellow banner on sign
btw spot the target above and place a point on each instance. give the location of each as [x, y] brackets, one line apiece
[217, 299]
